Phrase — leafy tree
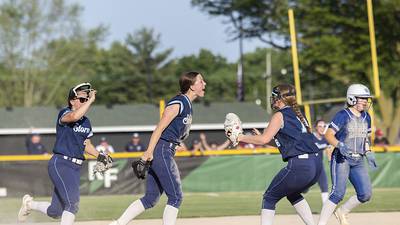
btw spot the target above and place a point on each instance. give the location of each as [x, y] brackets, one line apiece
[116, 78]
[333, 41]
[42, 44]
[144, 43]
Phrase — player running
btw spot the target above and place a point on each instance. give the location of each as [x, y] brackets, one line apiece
[163, 174]
[73, 133]
[349, 132]
[322, 144]
[292, 135]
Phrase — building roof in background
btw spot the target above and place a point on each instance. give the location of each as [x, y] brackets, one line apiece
[130, 115]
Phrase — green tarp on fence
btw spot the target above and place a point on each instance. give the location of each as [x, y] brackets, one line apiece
[254, 173]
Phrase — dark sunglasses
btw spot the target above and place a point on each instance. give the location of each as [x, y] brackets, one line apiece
[82, 100]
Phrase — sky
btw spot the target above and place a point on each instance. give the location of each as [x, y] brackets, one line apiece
[182, 27]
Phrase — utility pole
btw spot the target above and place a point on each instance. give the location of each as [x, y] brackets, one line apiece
[240, 75]
[268, 79]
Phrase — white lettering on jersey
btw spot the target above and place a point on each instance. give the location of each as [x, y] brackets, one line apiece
[81, 129]
[357, 129]
[187, 120]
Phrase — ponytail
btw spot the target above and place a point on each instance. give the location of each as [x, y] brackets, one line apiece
[287, 93]
[293, 104]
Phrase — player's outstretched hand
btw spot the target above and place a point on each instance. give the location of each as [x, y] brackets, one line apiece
[233, 128]
[256, 131]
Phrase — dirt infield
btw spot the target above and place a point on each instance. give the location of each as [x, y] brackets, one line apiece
[387, 218]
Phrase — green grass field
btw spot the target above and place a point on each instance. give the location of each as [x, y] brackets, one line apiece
[197, 205]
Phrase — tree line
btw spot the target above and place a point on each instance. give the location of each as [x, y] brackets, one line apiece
[44, 50]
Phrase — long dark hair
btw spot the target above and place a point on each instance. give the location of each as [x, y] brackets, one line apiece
[287, 93]
[186, 80]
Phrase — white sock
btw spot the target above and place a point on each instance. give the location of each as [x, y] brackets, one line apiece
[326, 212]
[350, 204]
[324, 196]
[304, 211]
[267, 216]
[135, 209]
[40, 206]
[67, 218]
[170, 215]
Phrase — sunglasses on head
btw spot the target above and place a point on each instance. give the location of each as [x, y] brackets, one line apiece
[82, 99]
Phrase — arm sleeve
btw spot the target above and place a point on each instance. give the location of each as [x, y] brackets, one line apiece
[338, 121]
[177, 101]
[62, 114]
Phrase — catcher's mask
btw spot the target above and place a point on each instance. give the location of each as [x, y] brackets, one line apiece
[281, 92]
[73, 92]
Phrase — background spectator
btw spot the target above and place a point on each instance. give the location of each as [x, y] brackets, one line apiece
[181, 148]
[196, 146]
[135, 145]
[104, 146]
[34, 145]
[380, 139]
[213, 145]
[246, 145]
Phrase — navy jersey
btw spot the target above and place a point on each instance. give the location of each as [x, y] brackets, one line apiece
[321, 143]
[353, 131]
[293, 139]
[70, 137]
[178, 129]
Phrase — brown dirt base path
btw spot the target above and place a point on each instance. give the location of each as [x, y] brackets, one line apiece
[386, 218]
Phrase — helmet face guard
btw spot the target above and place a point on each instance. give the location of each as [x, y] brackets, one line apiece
[278, 95]
[73, 92]
[356, 91]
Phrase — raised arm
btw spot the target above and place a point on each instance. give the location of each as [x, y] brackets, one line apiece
[77, 114]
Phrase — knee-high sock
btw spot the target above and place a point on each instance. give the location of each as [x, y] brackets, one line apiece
[39, 206]
[326, 212]
[135, 209]
[304, 211]
[324, 196]
[170, 215]
[350, 204]
[267, 216]
[67, 218]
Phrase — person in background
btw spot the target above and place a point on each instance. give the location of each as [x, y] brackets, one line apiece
[135, 145]
[104, 146]
[380, 139]
[322, 144]
[213, 145]
[34, 145]
[196, 147]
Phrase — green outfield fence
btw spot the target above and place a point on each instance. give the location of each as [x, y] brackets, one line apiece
[211, 171]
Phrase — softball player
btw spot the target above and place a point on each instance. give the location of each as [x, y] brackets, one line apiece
[73, 131]
[292, 135]
[163, 175]
[349, 131]
[322, 144]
